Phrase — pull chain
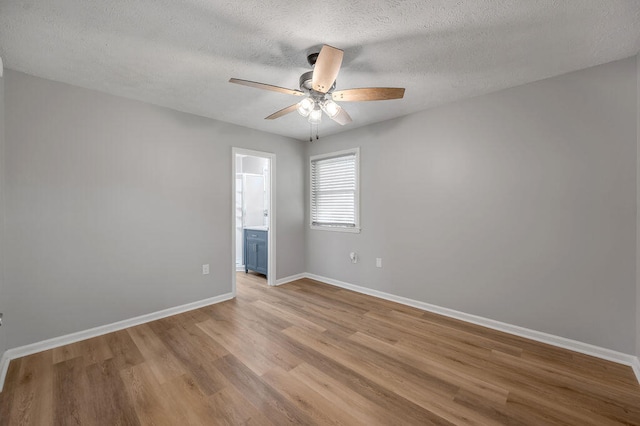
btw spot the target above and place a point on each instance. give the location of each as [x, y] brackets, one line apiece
[311, 131]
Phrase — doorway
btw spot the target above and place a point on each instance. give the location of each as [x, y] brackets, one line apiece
[253, 220]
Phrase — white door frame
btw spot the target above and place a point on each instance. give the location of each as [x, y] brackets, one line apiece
[271, 235]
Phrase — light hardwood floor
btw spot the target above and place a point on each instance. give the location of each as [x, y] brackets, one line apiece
[310, 353]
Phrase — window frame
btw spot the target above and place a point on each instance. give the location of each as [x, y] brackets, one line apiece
[350, 229]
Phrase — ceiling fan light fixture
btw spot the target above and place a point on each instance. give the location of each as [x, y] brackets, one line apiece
[315, 116]
[306, 106]
[330, 108]
[317, 90]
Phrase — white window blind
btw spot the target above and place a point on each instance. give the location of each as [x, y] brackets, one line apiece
[334, 190]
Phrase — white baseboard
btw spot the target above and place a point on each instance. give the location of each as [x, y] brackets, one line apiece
[291, 278]
[4, 367]
[636, 367]
[99, 331]
[562, 342]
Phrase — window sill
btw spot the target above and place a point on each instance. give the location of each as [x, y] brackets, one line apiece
[355, 230]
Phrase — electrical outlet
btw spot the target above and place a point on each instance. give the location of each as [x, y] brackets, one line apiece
[378, 262]
[205, 269]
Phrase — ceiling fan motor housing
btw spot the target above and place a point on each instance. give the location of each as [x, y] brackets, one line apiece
[305, 85]
[312, 58]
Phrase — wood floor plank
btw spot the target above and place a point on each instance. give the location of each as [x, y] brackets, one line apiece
[310, 353]
[7, 398]
[71, 389]
[232, 340]
[311, 402]
[232, 408]
[147, 397]
[364, 410]
[324, 316]
[433, 398]
[242, 341]
[183, 396]
[157, 356]
[546, 389]
[441, 370]
[91, 350]
[291, 317]
[109, 403]
[583, 396]
[422, 328]
[125, 352]
[197, 353]
[277, 408]
[33, 400]
[398, 409]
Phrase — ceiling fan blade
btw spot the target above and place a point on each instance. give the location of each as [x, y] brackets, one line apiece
[368, 94]
[266, 87]
[326, 68]
[283, 111]
[342, 117]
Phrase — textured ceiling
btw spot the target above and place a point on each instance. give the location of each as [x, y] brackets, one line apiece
[181, 54]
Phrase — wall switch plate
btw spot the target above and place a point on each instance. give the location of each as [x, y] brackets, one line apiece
[205, 269]
[378, 262]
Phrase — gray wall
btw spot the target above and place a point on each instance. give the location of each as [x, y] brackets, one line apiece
[517, 206]
[638, 206]
[113, 205]
[3, 299]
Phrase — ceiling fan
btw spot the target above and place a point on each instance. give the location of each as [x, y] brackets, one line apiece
[318, 88]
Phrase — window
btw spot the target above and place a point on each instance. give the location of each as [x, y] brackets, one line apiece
[335, 190]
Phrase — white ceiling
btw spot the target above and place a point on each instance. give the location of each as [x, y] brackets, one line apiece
[181, 54]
